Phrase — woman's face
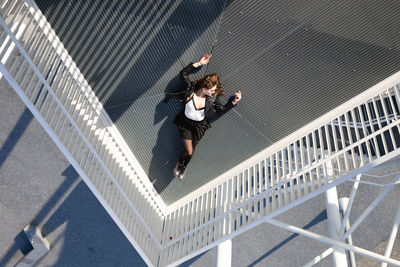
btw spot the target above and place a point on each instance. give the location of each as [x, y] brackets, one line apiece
[211, 91]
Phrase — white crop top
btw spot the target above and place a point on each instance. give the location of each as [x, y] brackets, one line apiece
[192, 113]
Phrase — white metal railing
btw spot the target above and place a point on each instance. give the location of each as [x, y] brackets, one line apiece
[349, 140]
[39, 69]
[317, 157]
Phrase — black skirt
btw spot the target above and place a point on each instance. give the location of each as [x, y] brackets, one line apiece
[190, 129]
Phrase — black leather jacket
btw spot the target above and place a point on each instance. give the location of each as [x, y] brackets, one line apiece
[213, 108]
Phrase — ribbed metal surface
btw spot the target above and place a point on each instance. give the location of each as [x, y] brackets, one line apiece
[293, 62]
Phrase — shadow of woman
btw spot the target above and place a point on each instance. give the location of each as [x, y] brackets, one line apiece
[168, 145]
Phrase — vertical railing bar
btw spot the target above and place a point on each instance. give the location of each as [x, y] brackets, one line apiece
[190, 224]
[236, 183]
[336, 144]
[376, 149]
[198, 218]
[272, 177]
[277, 179]
[183, 229]
[364, 128]
[386, 111]
[301, 151]
[305, 176]
[230, 201]
[355, 123]
[207, 219]
[315, 133]
[350, 135]
[211, 216]
[343, 140]
[328, 139]
[314, 138]
[321, 141]
[392, 105]
[279, 156]
[187, 224]
[296, 157]
[219, 212]
[200, 210]
[378, 117]
[334, 135]
[297, 179]
[284, 177]
[385, 147]
[397, 96]
[384, 108]
[177, 232]
[254, 179]
[223, 221]
[291, 182]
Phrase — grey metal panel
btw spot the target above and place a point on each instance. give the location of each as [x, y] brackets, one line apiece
[313, 68]
[293, 60]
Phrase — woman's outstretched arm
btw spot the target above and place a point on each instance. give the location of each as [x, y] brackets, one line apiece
[192, 68]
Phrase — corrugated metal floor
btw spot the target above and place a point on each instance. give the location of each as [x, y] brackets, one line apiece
[293, 62]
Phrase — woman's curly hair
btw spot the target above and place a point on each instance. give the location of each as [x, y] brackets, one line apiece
[209, 81]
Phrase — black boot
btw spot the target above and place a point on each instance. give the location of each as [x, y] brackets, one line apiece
[181, 164]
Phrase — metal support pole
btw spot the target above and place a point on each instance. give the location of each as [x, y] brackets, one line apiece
[392, 237]
[343, 205]
[224, 250]
[349, 205]
[224, 254]
[334, 222]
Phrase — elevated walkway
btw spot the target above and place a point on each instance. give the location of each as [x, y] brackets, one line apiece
[294, 62]
[351, 139]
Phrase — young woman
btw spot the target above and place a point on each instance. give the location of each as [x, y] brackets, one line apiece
[201, 101]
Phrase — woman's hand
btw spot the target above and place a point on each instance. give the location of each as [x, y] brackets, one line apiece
[238, 96]
[204, 60]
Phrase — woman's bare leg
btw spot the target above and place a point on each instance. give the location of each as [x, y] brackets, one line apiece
[188, 144]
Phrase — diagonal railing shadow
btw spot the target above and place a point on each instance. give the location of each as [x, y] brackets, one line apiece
[15, 135]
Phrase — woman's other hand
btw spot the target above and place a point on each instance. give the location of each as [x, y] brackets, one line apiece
[238, 96]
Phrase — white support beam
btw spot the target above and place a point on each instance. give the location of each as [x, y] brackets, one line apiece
[343, 207]
[392, 237]
[349, 205]
[332, 210]
[332, 242]
[370, 209]
[224, 254]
